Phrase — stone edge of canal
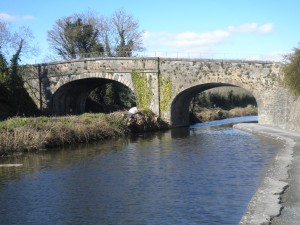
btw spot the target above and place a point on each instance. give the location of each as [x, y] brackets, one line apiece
[265, 204]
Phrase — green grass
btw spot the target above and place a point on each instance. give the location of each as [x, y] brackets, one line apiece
[17, 122]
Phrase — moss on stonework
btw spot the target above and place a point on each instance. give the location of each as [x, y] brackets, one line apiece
[165, 86]
[142, 89]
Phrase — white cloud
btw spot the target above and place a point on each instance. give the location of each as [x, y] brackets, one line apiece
[192, 39]
[184, 39]
[195, 42]
[8, 17]
[251, 27]
[275, 56]
[266, 28]
[243, 28]
[27, 17]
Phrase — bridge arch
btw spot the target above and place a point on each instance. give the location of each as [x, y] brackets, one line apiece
[181, 102]
[70, 96]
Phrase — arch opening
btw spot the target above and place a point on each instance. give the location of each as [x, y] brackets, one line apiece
[182, 105]
[84, 95]
[110, 97]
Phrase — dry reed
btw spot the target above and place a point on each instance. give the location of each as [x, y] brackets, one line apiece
[29, 134]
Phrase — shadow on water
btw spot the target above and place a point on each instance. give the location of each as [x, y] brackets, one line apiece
[147, 136]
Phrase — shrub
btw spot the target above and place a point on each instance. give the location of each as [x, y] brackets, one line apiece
[291, 71]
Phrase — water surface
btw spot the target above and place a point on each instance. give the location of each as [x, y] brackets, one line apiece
[200, 175]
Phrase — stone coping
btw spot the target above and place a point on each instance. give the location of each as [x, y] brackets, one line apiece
[156, 58]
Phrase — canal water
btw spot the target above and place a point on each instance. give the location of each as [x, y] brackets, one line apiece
[205, 174]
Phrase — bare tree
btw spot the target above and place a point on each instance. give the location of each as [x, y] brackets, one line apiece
[106, 35]
[120, 34]
[4, 34]
[126, 33]
[11, 41]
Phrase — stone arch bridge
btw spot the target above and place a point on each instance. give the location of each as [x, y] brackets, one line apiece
[61, 88]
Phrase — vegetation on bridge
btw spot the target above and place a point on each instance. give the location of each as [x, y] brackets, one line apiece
[165, 86]
[142, 89]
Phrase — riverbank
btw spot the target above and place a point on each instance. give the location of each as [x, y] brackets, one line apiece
[27, 134]
[207, 114]
[277, 200]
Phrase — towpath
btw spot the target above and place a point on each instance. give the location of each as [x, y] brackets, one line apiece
[277, 200]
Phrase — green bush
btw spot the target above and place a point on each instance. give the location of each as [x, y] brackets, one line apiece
[291, 71]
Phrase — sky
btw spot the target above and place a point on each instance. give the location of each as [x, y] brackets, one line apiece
[251, 29]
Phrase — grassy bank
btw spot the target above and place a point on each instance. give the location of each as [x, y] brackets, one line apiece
[30, 134]
[26, 134]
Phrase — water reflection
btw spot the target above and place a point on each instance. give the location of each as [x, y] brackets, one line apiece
[181, 132]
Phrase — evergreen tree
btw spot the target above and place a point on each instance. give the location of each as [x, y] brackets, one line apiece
[75, 37]
[3, 68]
[15, 79]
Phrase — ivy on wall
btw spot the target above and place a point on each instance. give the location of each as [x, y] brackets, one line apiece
[165, 86]
[142, 89]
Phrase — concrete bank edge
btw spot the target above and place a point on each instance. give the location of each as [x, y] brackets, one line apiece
[265, 204]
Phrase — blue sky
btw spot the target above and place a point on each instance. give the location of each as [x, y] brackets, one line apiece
[258, 29]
